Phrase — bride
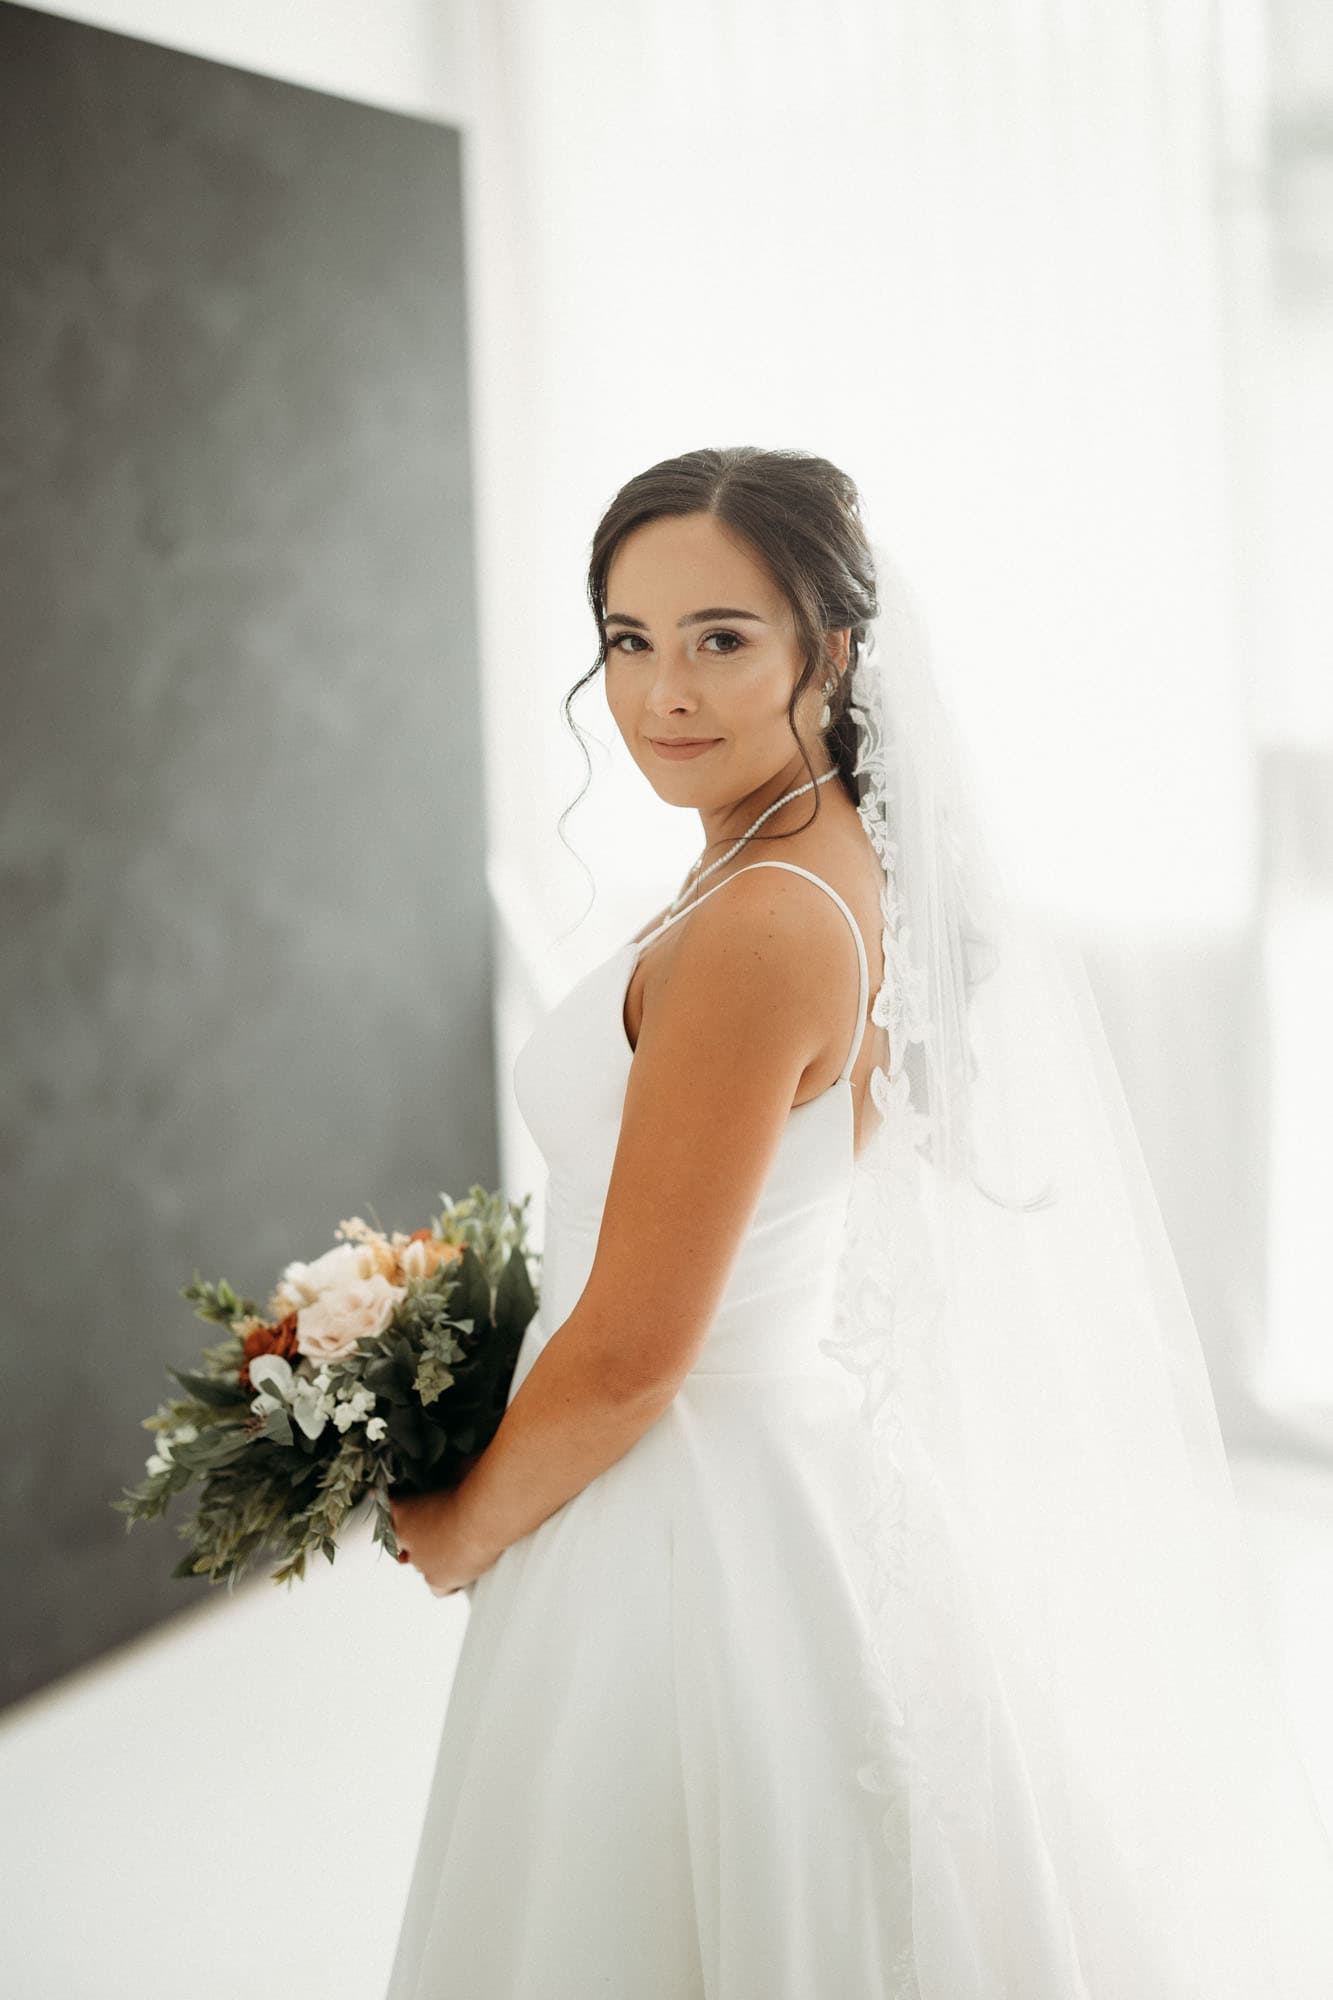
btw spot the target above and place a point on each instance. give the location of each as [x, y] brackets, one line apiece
[856, 1601]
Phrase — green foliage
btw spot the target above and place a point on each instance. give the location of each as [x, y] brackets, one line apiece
[487, 1224]
[216, 1391]
[217, 1302]
[439, 1374]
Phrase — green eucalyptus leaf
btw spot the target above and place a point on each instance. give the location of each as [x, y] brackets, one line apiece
[406, 1428]
[514, 1295]
[388, 1379]
[207, 1389]
[471, 1296]
[277, 1428]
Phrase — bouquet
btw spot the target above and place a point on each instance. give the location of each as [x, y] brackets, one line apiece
[383, 1367]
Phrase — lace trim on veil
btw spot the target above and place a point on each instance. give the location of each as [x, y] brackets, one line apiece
[886, 1290]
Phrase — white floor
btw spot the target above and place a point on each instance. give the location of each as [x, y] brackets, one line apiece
[233, 1804]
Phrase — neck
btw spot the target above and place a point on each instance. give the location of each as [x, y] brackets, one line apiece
[723, 824]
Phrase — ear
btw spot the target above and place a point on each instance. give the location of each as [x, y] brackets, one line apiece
[839, 644]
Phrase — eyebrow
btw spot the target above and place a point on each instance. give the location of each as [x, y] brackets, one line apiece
[690, 618]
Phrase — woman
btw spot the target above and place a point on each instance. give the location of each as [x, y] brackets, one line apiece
[821, 1443]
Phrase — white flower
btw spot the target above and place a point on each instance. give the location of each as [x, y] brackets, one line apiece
[376, 1429]
[162, 1457]
[289, 1391]
[353, 1406]
[301, 1284]
[425, 1255]
[332, 1324]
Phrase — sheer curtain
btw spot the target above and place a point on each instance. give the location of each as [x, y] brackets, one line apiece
[1289, 216]
[976, 255]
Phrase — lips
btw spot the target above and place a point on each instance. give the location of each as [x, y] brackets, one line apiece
[681, 742]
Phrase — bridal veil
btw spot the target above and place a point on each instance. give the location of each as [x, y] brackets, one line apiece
[1092, 1789]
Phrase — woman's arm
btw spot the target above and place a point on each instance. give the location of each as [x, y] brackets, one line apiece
[762, 983]
[569, 1420]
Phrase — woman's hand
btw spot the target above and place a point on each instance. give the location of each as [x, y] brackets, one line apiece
[426, 1528]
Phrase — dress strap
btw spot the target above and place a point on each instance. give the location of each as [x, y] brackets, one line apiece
[862, 962]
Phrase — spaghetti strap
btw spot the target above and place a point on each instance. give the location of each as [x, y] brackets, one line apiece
[863, 966]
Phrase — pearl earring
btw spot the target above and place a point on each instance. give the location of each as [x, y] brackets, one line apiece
[826, 714]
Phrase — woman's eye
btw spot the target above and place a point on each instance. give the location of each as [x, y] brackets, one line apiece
[615, 643]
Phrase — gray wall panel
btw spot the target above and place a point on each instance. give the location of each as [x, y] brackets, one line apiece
[246, 975]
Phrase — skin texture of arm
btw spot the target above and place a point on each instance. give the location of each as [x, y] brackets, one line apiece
[762, 983]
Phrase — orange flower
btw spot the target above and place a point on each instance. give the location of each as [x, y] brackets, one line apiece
[423, 1253]
[377, 1257]
[279, 1338]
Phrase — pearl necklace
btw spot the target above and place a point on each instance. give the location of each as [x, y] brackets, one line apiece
[766, 814]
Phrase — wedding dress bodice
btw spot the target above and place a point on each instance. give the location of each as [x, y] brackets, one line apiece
[569, 1079]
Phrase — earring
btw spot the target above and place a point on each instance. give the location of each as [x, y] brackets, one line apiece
[825, 714]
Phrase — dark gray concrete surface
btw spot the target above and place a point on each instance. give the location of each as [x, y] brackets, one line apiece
[246, 976]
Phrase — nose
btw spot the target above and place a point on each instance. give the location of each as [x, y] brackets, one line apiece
[671, 687]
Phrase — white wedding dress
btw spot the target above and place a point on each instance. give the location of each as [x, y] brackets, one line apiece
[646, 1787]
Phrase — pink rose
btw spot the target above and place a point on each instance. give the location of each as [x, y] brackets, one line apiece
[301, 1284]
[332, 1324]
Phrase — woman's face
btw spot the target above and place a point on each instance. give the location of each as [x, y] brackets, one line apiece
[700, 644]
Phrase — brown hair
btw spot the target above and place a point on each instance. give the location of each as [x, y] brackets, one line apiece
[801, 516]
